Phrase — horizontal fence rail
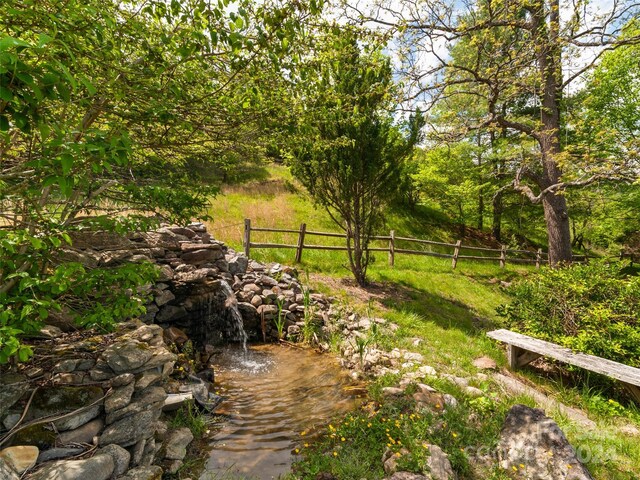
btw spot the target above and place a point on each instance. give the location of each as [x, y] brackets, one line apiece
[501, 255]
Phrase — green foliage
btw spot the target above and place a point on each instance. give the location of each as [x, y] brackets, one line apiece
[105, 138]
[349, 151]
[280, 319]
[189, 416]
[91, 297]
[448, 176]
[589, 308]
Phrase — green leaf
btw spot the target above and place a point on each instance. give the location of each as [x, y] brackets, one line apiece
[9, 42]
[66, 160]
[43, 39]
[6, 94]
[4, 123]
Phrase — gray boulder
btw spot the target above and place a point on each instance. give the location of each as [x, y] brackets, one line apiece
[177, 443]
[99, 467]
[6, 472]
[129, 430]
[143, 473]
[238, 264]
[533, 444]
[127, 356]
[439, 465]
[120, 457]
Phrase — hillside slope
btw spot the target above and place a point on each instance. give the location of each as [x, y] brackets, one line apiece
[449, 310]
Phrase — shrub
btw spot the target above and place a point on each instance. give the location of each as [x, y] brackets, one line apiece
[592, 308]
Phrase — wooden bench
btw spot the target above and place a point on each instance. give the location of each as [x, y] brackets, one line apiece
[522, 349]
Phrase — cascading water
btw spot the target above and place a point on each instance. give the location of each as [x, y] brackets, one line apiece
[231, 304]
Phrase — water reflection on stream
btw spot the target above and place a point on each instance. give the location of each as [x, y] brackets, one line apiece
[273, 394]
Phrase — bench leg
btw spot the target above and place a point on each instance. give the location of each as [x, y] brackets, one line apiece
[633, 390]
[518, 357]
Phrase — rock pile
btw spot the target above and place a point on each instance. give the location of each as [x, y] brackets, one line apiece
[101, 394]
[206, 289]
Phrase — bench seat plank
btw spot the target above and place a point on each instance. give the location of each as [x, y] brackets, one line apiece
[618, 371]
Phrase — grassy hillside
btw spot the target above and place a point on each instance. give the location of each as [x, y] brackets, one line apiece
[450, 310]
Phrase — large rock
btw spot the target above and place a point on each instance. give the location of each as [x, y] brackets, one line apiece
[21, 457]
[129, 430]
[127, 356]
[120, 457]
[99, 467]
[83, 434]
[119, 398]
[171, 313]
[238, 264]
[407, 476]
[531, 439]
[148, 399]
[61, 399]
[200, 256]
[439, 465]
[58, 453]
[177, 443]
[164, 297]
[6, 472]
[143, 473]
[12, 387]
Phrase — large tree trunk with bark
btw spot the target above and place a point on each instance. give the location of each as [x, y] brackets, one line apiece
[550, 67]
[558, 231]
[496, 227]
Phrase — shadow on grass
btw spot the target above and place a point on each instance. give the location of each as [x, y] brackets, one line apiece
[444, 312]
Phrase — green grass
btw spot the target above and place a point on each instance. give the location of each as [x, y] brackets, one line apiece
[450, 310]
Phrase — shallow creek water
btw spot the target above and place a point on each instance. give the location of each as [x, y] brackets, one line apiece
[273, 394]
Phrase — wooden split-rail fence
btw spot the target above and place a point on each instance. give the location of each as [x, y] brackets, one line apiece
[501, 255]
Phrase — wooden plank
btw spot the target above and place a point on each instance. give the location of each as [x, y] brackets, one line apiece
[247, 236]
[392, 247]
[633, 390]
[503, 256]
[478, 257]
[480, 249]
[525, 358]
[456, 252]
[424, 252]
[619, 371]
[327, 234]
[303, 229]
[512, 356]
[274, 230]
[427, 242]
[273, 245]
[538, 257]
[327, 247]
[519, 260]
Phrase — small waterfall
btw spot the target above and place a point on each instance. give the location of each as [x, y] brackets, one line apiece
[231, 304]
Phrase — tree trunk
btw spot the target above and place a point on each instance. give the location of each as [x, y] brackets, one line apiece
[480, 210]
[550, 68]
[480, 181]
[496, 227]
[558, 231]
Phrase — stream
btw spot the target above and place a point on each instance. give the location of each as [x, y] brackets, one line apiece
[273, 394]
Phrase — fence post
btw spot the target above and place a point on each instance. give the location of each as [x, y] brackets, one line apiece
[456, 252]
[247, 236]
[503, 256]
[538, 257]
[392, 248]
[303, 230]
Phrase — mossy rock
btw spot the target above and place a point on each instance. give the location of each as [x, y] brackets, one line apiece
[36, 435]
[61, 400]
